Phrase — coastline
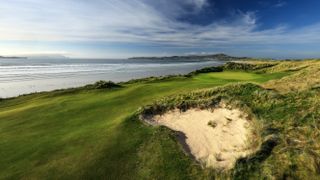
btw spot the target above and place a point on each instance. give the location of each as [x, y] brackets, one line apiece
[27, 87]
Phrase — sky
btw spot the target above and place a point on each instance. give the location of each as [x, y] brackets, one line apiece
[127, 28]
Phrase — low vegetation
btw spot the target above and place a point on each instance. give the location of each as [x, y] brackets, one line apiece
[249, 65]
[96, 133]
[207, 70]
[104, 85]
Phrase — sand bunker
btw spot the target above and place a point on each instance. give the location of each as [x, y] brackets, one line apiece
[215, 137]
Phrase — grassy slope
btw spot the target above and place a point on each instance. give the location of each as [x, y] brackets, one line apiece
[90, 133]
[288, 128]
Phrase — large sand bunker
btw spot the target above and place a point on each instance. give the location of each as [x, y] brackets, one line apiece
[215, 137]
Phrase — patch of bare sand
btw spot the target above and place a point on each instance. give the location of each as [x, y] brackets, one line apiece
[216, 137]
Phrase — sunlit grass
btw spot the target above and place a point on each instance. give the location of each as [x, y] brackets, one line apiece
[87, 134]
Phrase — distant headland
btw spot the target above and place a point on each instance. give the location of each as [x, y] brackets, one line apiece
[216, 57]
[12, 57]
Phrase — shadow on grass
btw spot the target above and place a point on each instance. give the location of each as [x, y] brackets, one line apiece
[247, 165]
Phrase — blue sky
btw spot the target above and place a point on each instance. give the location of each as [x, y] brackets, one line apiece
[125, 28]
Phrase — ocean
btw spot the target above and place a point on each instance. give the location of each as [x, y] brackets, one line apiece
[23, 76]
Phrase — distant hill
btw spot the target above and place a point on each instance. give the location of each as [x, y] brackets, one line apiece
[12, 57]
[36, 56]
[219, 57]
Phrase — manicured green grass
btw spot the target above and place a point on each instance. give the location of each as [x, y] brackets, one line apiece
[92, 134]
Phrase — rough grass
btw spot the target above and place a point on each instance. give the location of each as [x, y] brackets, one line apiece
[89, 133]
[305, 75]
[290, 128]
[288, 112]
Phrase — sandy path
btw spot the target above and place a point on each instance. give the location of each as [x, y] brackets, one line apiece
[216, 138]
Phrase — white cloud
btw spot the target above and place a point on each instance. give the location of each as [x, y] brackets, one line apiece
[136, 21]
[280, 4]
[199, 4]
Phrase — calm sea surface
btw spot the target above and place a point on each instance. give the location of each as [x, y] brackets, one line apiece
[22, 76]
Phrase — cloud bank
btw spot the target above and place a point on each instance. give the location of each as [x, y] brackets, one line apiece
[139, 21]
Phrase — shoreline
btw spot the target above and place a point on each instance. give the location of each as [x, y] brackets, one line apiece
[133, 80]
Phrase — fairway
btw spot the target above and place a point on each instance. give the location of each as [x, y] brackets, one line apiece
[88, 134]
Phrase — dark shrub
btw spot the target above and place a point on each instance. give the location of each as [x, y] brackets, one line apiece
[206, 70]
[246, 66]
[105, 85]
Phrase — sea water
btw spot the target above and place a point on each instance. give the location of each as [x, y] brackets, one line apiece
[23, 76]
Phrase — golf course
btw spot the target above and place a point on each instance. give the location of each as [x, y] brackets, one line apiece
[95, 132]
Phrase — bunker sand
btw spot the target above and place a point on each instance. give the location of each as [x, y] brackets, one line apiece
[214, 137]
